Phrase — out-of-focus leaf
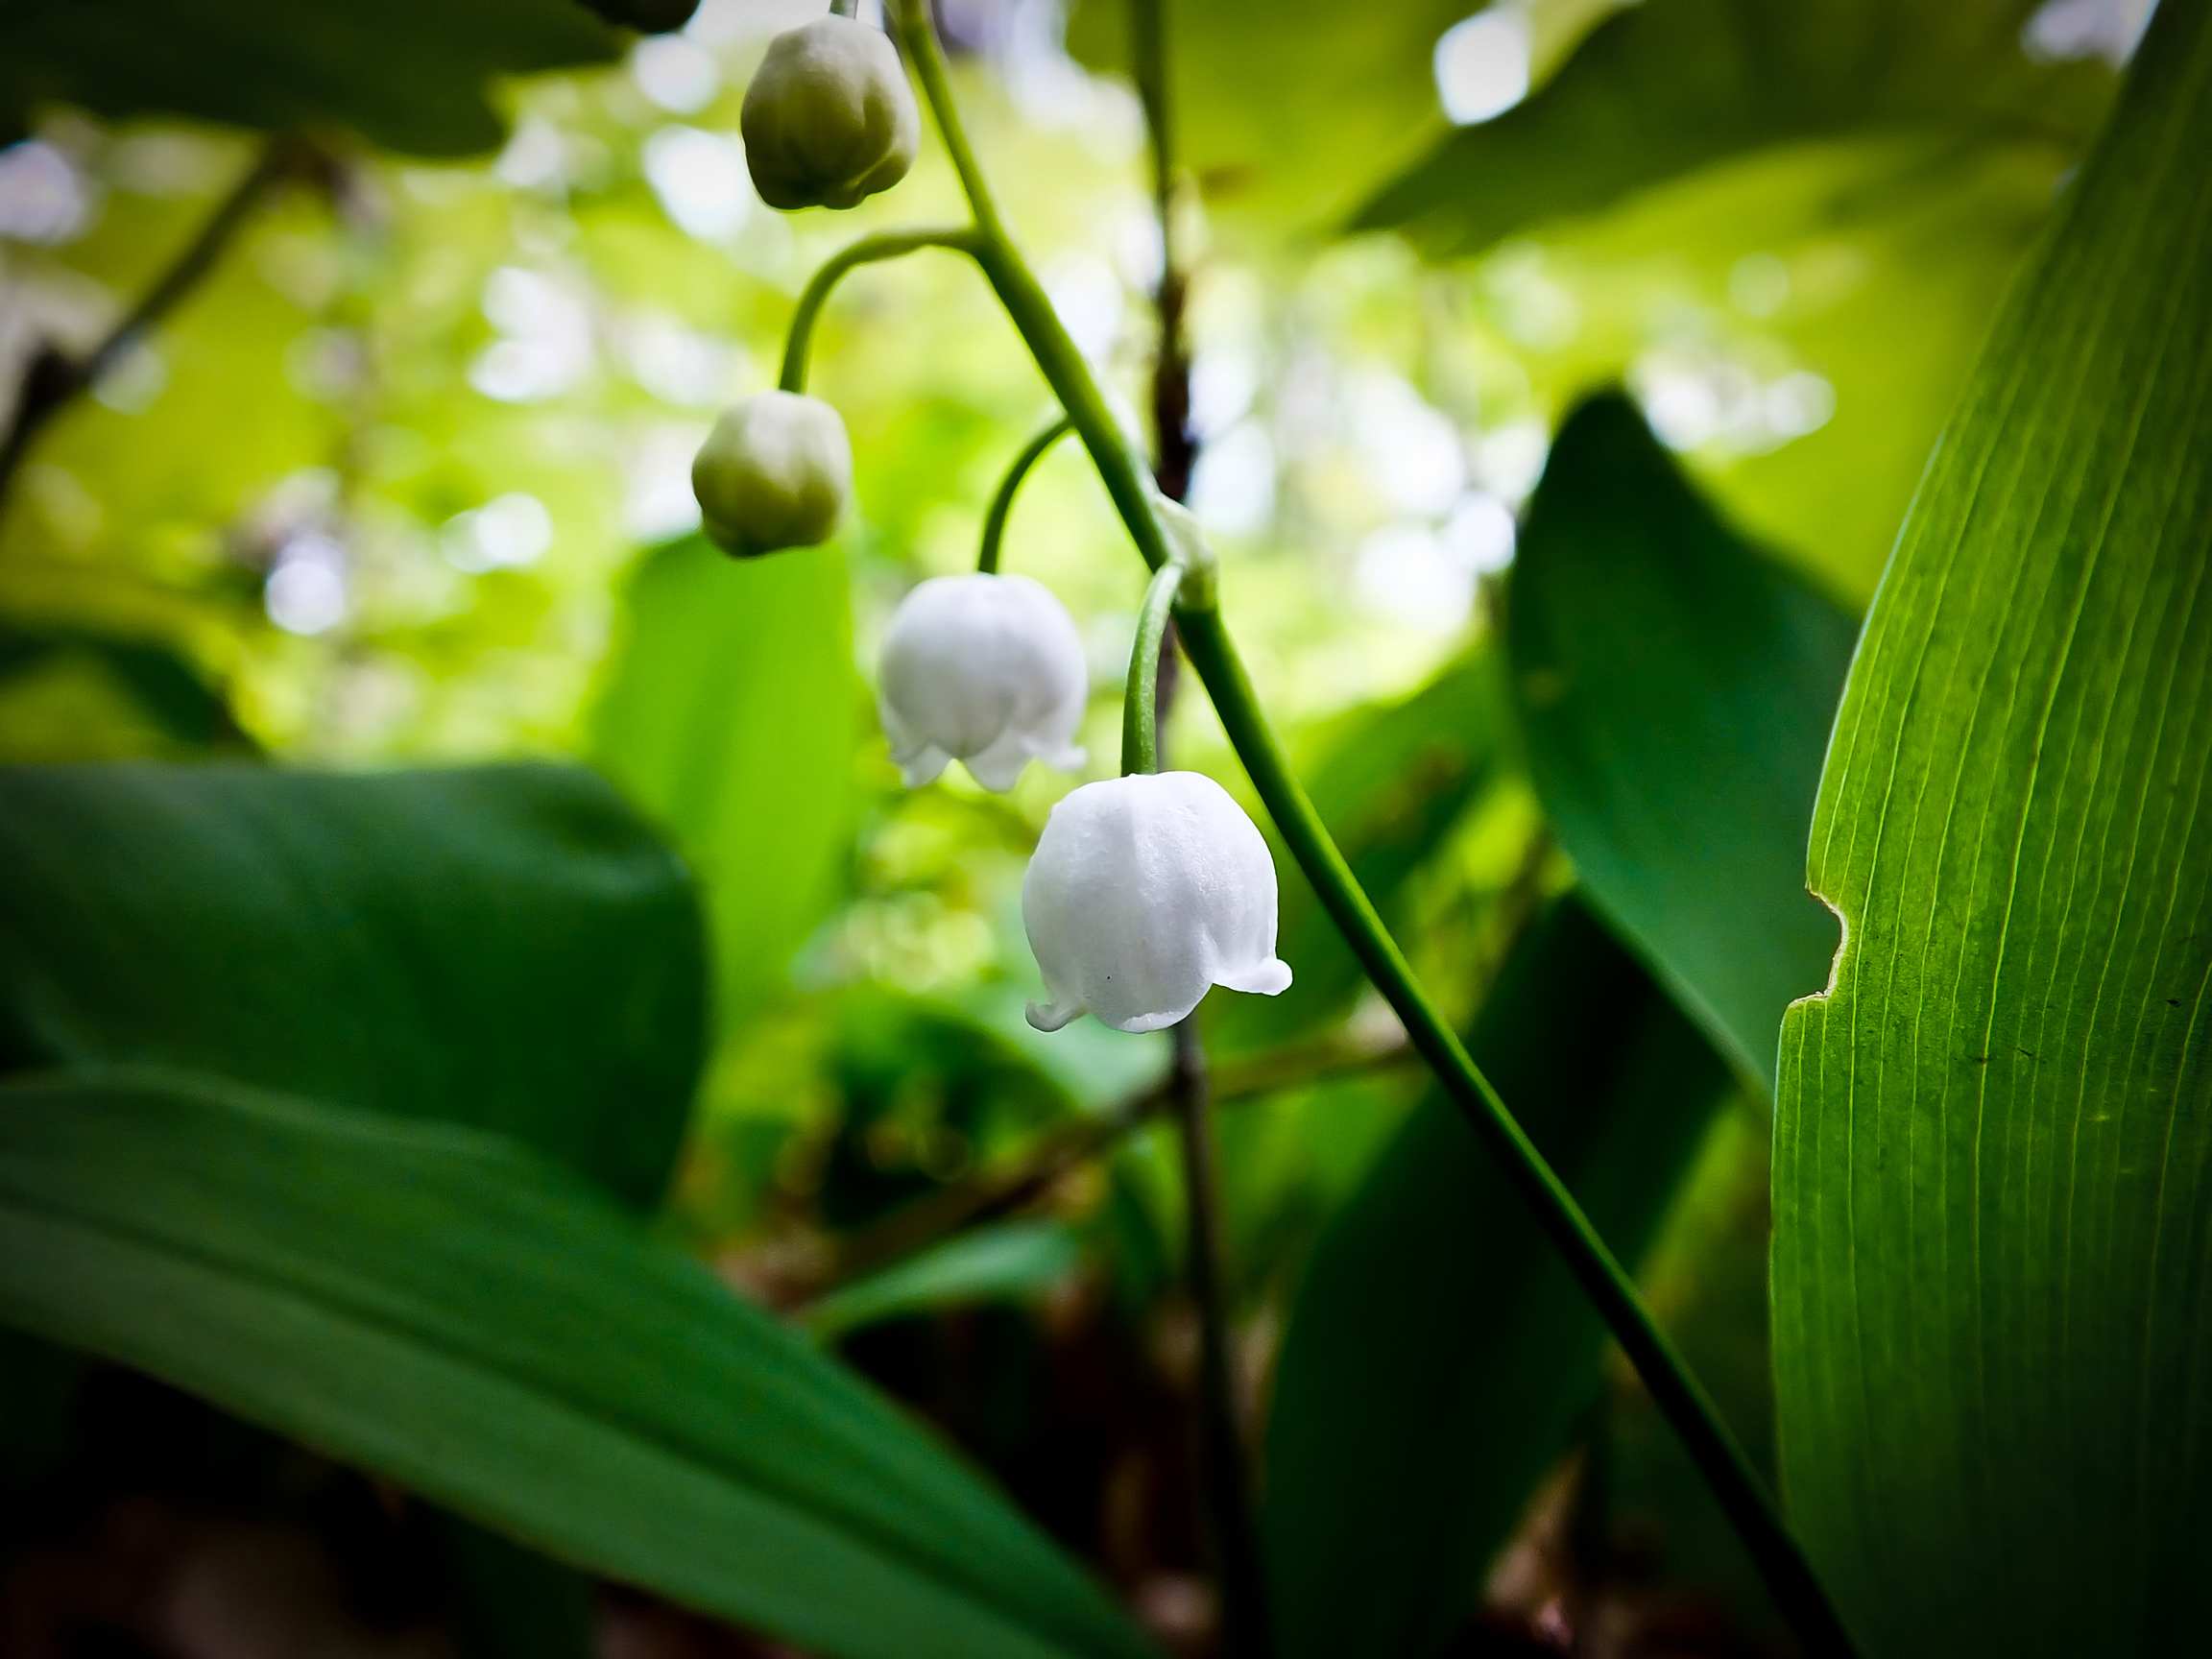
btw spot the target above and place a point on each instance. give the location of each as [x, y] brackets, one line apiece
[171, 694]
[1676, 687]
[1884, 260]
[995, 1263]
[507, 946]
[409, 75]
[1394, 784]
[729, 713]
[1994, 1148]
[455, 1313]
[1439, 1353]
[1291, 113]
[651, 16]
[921, 1090]
[1670, 85]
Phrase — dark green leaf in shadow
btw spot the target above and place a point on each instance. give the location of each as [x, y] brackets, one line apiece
[510, 1603]
[409, 75]
[1676, 687]
[650, 16]
[461, 1316]
[1438, 1354]
[1993, 1152]
[1670, 85]
[508, 946]
[186, 709]
[730, 713]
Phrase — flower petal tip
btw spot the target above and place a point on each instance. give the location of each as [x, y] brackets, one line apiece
[1051, 1016]
[1269, 978]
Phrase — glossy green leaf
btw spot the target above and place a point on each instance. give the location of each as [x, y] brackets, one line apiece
[1438, 1354]
[507, 946]
[730, 713]
[1020, 1259]
[1393, 785]
[455, 1313]
[1993, 1172]
[409, 75]
[1664, 88]
[1676, 687]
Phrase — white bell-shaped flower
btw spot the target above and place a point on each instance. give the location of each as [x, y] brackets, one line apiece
[1145, 892]
[982, 668]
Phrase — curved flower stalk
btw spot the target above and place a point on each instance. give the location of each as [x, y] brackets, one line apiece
[984, 669]
[1145, 893]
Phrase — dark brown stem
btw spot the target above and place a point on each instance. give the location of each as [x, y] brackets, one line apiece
[53, 378]
[1020, 1180]
[1222, 1472]
[1223, 1465]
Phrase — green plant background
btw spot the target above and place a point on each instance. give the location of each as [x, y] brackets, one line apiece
[557, 880]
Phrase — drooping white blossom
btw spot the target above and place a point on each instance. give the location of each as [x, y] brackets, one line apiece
[1145, 892]
[982, 668]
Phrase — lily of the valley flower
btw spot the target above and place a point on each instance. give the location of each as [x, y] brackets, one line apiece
[986, 669]
[1145, 892]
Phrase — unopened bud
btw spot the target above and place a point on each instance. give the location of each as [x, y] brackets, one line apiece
[776, 471]
[830, 118]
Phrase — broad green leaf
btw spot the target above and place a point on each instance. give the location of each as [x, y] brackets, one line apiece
[457, 1313]
[1993, 1167]
[729, 713]
[507, 946]
[1885, 259]
[1392, 787]
[1439, 1353]
[1676, 687]
[1289, 113]
[1020, 1259]
[1670, 85]
[409, 75]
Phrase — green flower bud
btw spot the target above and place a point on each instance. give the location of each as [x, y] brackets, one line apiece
[830, 118]
[775, 472]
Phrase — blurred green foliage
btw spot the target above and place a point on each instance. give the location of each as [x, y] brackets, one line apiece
[405, 480]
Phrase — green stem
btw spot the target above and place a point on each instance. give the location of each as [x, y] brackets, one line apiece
[1139, 702]
[1787, 1576]
[868, 251]
[1002, 503]
[1127, 479]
